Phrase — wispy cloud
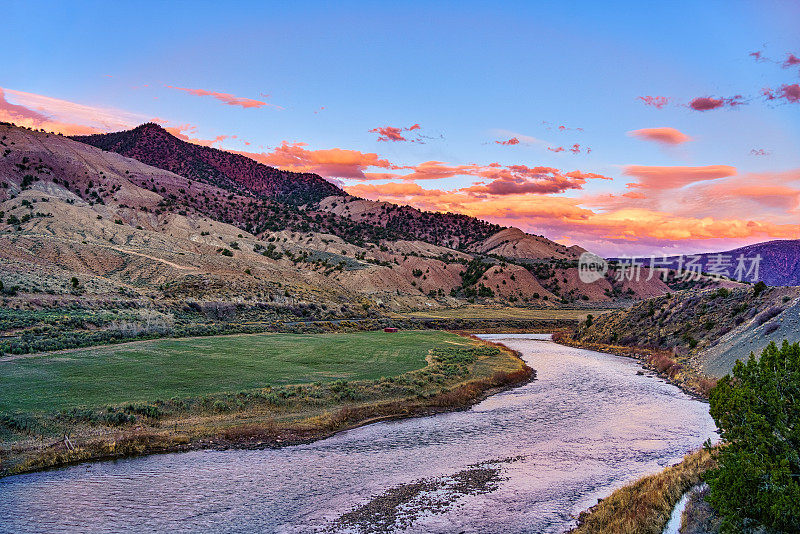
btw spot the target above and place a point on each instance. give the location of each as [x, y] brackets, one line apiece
[509, 142]
[227, 98]
[574, 149]
[672, 177]
[69, 118]
[657, 102]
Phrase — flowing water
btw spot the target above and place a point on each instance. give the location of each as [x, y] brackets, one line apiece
[525, 460]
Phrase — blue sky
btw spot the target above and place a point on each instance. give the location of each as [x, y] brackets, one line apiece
[469, 74]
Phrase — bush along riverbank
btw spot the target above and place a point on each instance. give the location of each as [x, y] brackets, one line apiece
[457, 375]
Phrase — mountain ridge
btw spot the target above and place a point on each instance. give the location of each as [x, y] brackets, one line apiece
[779, 264]
[153, 145]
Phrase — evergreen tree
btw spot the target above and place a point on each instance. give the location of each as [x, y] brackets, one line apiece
[757, 483]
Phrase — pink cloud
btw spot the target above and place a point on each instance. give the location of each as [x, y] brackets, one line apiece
[759, 152]
[791, 61]
[512, 141]
[634, 195]
[560, 127]
[226, 98]
[665, 135]
[575, 149]
[657, 102]
[706, 103]
[790, 93]
[520, 179]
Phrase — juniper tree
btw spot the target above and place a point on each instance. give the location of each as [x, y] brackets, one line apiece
[756, 485]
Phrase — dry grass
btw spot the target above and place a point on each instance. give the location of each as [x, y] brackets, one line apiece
[644, 507]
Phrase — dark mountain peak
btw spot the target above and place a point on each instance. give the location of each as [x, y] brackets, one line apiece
[152, 128]
[150, 143]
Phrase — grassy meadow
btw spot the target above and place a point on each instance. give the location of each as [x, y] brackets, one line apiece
[160, 369]
[230, 391]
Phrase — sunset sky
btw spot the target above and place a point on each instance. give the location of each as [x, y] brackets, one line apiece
[627, 128]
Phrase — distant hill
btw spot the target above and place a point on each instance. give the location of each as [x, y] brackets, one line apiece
[779, 264]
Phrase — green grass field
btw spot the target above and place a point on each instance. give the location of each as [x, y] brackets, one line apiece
[162, 369]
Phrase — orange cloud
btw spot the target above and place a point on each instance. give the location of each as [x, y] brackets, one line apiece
[772, 196]
[392, 133]
[331, 163]
[565, 216]
[776, 196]
[675, 177]
[511, 209]
[227, 98]
[666, 135]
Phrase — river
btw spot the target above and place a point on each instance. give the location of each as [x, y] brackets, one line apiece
[525, 460]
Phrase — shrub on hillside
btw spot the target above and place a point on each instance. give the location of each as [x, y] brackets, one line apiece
[768, 314]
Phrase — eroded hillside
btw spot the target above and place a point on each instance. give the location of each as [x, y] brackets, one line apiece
[82, 223]
[710, 328]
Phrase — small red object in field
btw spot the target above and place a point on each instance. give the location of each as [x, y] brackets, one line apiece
[390, 329]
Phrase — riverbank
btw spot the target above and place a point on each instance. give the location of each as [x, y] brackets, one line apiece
[458, 372]
[645, 506]
[681, 374]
